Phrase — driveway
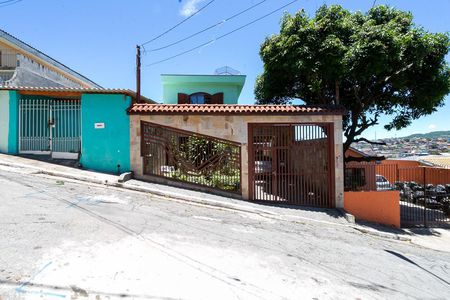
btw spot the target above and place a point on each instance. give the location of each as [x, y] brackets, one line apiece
[61, 239]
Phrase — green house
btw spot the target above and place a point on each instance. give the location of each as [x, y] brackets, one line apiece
[202, 89]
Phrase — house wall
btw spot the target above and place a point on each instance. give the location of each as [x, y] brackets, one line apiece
[8, 57]
[380, 207]
[4, 121]
[230, 93]
[235, 128]
[231, 86]
[9, 111]
[104, 149]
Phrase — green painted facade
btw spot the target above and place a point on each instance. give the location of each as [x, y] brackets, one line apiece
[13, 137]
[4, 121]
[230, 85]
[9, 106]
[105, 149]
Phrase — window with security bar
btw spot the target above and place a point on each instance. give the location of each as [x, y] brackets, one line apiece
[191, 157]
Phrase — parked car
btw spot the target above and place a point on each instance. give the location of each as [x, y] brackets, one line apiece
[263, 166]
[382, 183]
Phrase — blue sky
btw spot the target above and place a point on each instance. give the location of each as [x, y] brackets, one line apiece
[98, 38]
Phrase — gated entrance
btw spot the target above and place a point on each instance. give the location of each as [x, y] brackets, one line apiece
[424, 191]
[290, 163]
[424, 196]
[50, 126]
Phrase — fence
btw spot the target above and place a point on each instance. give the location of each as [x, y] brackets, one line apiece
[424, 191]
[190, 157]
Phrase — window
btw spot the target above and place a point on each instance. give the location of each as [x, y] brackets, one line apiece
[354, 179]
[198, 98]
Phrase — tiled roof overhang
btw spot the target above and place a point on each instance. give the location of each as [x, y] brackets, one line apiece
[15, 42]
[233, 109]
[72, 92]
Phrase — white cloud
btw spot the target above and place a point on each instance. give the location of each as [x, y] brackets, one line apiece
[432, 126]
[190, 7]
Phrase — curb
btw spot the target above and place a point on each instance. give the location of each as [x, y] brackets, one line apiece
[156, 192]
[192, 199]
[349, 217]
[373, 232]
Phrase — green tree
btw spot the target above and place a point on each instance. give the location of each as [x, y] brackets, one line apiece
[372, 63]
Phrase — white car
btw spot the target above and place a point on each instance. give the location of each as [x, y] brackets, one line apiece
[382, 183]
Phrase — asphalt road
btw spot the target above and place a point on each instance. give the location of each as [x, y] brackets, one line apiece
[68, 240]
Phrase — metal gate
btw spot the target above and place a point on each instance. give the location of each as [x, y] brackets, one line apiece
[290, 163]
[50, 126]
[189, 157]
[424, 196]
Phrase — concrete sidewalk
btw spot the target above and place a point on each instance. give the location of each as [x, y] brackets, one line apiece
[319, 215]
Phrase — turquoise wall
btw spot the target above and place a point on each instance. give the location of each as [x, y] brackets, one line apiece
[9, 122]
[13, 137]
[103, 149]
[230, 86]
[4, 121]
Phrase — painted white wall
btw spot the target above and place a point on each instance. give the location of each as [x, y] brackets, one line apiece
[4, 120]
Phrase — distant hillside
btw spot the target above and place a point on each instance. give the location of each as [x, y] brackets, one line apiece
[431, 135]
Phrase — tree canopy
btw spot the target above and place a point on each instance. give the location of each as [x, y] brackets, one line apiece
[372, 63]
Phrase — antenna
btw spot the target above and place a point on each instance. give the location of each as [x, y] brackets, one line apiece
[226, 70]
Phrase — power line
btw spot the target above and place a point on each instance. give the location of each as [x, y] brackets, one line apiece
[178, 24]
[3, 2]
[208, 28]
[9, 2]
[222, 36]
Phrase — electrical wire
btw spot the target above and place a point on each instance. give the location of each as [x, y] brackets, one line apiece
[9, 2]
[220, 37]
[208, 28]
[3, 2]
[178, 24]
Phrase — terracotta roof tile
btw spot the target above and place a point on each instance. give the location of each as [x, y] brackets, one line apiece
[232, 109]
[75, 90]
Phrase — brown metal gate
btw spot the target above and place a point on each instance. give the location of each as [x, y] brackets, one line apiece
[291, 163]
[189, 157]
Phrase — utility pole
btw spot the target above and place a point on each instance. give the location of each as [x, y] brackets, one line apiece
[138, 74]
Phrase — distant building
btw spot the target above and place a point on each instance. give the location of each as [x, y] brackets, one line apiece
[23, 65]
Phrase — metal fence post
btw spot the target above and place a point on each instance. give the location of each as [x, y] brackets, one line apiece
[425, 222]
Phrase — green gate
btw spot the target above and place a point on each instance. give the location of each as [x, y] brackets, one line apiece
[50, 126]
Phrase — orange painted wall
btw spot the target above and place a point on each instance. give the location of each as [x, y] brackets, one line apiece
[380, 207]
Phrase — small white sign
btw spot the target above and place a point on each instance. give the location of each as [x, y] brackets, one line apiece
[99, 125]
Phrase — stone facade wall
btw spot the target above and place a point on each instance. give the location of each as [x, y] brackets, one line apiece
[235, 128]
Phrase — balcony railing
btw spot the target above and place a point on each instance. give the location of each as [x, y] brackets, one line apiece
[6, 75]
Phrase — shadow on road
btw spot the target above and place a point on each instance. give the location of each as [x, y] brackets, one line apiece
[401, 256]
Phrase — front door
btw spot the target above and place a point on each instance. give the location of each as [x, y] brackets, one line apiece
[50, 126]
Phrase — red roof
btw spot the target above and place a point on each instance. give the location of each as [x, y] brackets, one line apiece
[145, 108]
